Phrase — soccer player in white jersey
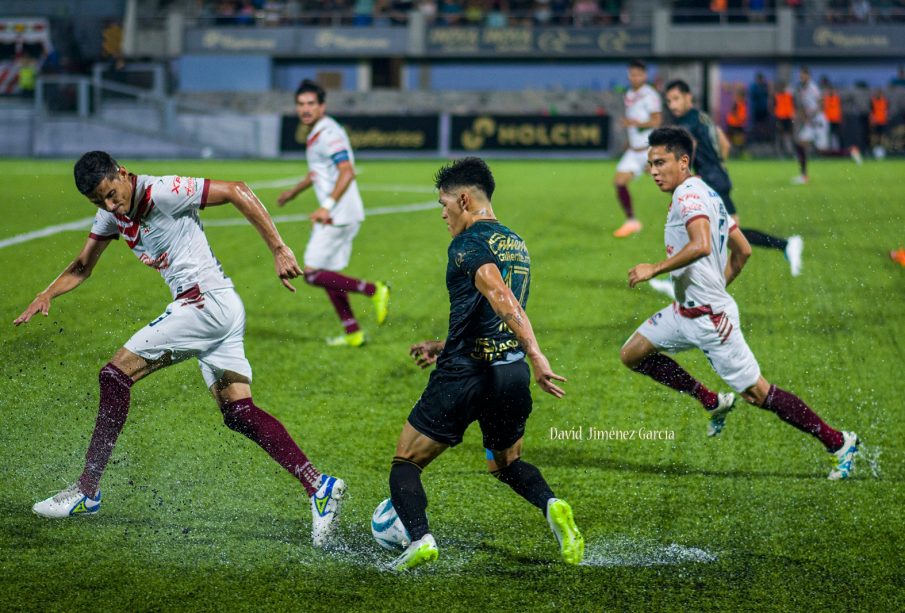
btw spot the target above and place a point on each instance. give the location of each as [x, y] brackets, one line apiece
[705, 252]
[643, 113]
[813, 127]
[331, 170]
[158, 218]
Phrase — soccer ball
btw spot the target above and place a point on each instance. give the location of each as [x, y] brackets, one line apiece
[387, 528]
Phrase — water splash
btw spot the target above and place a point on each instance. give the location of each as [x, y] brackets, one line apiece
[625, 551]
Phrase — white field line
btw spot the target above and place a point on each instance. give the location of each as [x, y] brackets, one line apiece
[82, 224]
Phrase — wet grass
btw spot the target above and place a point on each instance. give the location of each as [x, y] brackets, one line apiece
[196, 517]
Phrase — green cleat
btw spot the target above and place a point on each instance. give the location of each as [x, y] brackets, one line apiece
[381, 300]
[417, 554]
[571, 543]
[355, 339]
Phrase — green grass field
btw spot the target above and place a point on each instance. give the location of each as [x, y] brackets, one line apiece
[197, 517]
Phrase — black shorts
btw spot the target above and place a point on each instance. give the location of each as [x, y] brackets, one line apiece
[497, 397]
[785, 125]
[727, 200]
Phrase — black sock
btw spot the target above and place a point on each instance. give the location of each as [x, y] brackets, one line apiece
[756, 237]
[527, 482]
[408, 496]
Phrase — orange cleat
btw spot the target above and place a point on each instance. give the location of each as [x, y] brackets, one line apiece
[898, 256]
[631, 226]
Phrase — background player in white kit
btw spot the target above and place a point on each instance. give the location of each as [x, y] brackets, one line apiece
[704, 315]
[643, 113]
[158, 219]
[331, 170]
[812, 127]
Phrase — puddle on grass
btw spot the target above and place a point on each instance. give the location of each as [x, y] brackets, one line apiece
[625, 551]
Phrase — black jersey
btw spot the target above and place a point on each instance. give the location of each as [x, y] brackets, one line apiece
[476, 334]
[708, 162]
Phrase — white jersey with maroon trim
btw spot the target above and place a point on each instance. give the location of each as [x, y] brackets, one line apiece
[640, 104]
[810, 100]
[702, 283]
[328, 145]
[164, 231]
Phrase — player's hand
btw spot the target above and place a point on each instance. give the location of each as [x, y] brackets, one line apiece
[628, 123]
[545, 376]
[321, 215]
[425, 353]
[41, 304]
[641, 273]
[286, 266]
[285, 197]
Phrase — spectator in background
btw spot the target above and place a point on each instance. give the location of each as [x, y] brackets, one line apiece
[562, 11]
[899, 80]
[428, 10]
[784, 112]
[496, 15]
[759, 92]
[860, 11]
[756, 10]
[737, 120]
[542, 13]
[399, 11]
[879, 119]
[832, 108]
[449, 13]
[474, 12]
[363, 13]
[585, 12]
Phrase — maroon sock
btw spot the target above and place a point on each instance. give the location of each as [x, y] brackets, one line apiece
[802, 156]
[792, 410]
[264, 429]
[340, 300]
[111, 416]
[333, 280]
[666, 371]
[625, 201]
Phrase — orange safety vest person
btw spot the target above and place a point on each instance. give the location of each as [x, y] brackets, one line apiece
[738, 116]
[832, 107]
[879, 111]
[784, 105]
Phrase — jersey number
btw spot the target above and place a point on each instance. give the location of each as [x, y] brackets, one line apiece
[722, 236]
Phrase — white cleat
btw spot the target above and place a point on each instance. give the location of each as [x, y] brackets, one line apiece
[845, 457]
[718, 415]
[855, 154]
[800, 180]
[71, 501]
[663, 286]
[420, 552]
[794, 249]
[325, 507]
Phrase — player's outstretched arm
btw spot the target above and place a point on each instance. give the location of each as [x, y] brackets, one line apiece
[490, 283]
[697, 247]
[241, 196]
[291, 193]
[71, 277]
[739, 252]
[425, 353]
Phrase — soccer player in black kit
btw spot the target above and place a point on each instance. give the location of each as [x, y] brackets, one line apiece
[481, 374]
[711, 148]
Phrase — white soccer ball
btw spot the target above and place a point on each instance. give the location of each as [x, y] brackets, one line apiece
[387, 528]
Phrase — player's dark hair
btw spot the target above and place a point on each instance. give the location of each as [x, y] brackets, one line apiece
[637, 64]
[676, 140]
[678, 84]
[466, 172]
[311, 87]
[91, 169]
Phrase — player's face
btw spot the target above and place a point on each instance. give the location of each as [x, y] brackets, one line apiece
[453, 211]
[679, 103]
[637, 77]
[308, 108]
[114, 195]
[666, 169]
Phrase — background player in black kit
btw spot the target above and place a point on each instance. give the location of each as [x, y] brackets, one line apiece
[481, 373]
[711, 148]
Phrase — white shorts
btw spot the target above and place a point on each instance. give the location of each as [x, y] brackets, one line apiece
[210, 328]
[330, 247]
[719, 336]
[816, 131]
[634, 162]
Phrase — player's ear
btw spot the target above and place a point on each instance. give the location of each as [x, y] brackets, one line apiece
[464, 198]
